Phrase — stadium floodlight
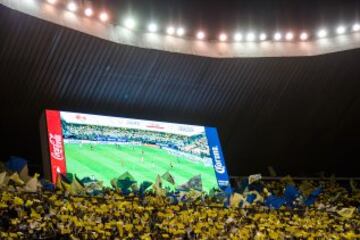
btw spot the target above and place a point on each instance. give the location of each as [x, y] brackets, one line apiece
[262, 37]
[356, 27]
[170, 30]
[152, 27]
[238, 37]
[277, 36]
[322, 33]
[130, 23]
[103, 17]
[52, 1]
[180, 31]
[223, 37]
[88, 12]
[72, 6]
[200, 35]
[250, 37]
[304, 36]
[289, 36]
[340, 30]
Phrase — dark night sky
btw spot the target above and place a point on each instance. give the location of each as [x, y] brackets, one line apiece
[228, 15]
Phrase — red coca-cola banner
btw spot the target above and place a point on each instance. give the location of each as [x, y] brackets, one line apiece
[56, 144]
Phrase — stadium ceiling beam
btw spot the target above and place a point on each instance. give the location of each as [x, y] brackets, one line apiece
[214, 49]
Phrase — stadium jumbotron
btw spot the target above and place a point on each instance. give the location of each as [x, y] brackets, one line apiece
[155, 119]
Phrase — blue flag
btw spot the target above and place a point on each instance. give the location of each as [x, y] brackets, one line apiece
[274, 201]
[310, 200]
[15, 164]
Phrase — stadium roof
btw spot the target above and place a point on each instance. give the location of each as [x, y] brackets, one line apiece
[298, 114]
[121, 34]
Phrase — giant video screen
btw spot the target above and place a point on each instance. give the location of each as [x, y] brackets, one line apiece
[104, 147]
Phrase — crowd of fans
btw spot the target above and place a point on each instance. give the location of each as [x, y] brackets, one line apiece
[196, 144]
[72, 210]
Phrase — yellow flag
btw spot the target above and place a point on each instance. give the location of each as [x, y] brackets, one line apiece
[67, 187]
[353, 185]
[235, 199]
[288, 180]
[16, 179]
[58, 184]
[253, 178]
[33, 184]
[113, 184]
[346, 212]
[24, 173]
[76, 186]
[272, 171]
[306, 187]
[157, 187]
[18, 201]
[3, 179]
[34, 214]
[258, 198]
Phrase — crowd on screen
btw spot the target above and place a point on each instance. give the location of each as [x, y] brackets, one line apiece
[196, 144]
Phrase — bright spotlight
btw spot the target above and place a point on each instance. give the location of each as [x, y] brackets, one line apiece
[200, 35]
[72, 7]
[322, 33]
[304, 36]
[356, 27]
[180, 31]
[277, 36]
[130, 23]
[170, 30]
[238, 37]
[152, 27]
[289, 36]
[262, 37]
[250, 37]
[223, 37]
[340, 30]
[103, 17]
[88, 12]
[52, 1]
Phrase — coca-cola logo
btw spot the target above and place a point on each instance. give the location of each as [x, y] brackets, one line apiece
[56, 148]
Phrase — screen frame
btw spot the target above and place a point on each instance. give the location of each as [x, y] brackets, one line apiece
[57, 164]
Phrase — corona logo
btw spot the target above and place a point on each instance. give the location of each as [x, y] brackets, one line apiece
[219, 167]
[56, 148]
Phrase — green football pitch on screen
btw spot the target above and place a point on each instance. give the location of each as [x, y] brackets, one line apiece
[107, 161]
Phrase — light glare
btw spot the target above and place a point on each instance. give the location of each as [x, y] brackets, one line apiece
[52, 1]
[356, 27]
[222, 37]
[103, 17]
[277, 36]
[130, 23]
[322, 33]
[170, 30]
[200, 35]
[289, 36]
[238, 37]
[340, 30]
[304, 36]
[152, 27]
[250, 37]
[262, 37]
[180, 31]
[72, 7]
[88, 12]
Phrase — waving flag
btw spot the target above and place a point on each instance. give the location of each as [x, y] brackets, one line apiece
[194, 183]
[168, 177]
